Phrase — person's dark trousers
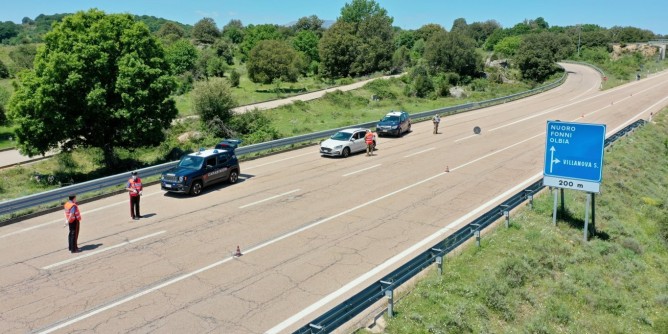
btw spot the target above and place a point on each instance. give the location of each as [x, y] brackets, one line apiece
[73, 236]
[134, 207]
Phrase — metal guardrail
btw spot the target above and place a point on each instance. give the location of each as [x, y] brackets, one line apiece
[354, 305]
[58, 195]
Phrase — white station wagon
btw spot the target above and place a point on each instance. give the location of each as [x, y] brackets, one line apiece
[345, 142]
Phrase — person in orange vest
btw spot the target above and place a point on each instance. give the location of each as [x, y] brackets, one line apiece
[134, 187]
[368, 139]
[73, 219]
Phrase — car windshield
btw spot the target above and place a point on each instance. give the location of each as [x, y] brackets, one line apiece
[191, 162]
[341, 136]
[391, 119]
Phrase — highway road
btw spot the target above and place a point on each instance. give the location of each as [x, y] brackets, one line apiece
[313, 231]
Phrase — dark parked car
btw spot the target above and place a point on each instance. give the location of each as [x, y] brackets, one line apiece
[394, 123]
[196, 171]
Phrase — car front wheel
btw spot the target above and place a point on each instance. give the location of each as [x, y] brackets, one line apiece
[346, 152]
[234, 177]
[196, 189]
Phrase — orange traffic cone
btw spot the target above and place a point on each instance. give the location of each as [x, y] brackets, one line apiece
[447, 169]
[238, 252]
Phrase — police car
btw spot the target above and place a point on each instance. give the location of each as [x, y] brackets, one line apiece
[195, 171]
[394, 123]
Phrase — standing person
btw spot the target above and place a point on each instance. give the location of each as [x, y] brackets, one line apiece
[368, 139]
[73, 219]
[436, 119]
[134, 187]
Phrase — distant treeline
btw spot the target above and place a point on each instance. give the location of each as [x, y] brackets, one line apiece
[33, 30]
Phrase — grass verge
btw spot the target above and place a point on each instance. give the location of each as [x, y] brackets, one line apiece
[536, 278]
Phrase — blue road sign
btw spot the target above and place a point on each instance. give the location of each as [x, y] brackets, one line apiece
[574, 155]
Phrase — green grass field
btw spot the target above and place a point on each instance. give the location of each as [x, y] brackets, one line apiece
[537, 278]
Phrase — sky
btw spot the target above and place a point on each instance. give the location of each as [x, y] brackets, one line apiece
[407, 14]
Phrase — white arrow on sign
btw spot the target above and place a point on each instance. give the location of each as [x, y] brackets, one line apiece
[552, 159]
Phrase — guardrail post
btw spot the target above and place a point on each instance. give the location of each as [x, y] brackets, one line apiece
[530, 198]
[390, 302]
[439, 260]
[506, 214]
[477, 237]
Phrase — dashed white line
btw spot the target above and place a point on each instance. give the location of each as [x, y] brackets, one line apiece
[361, 170]
[88, 254]
[419, 152]
[269, 199]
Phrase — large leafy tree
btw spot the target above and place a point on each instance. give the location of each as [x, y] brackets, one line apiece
[337, 50]
[452, 52]
[181, 55]
[205, 31]
[538, 53]
[256, 33]
[271, 60]
[99, 81]
[234, 31]
[371, 35]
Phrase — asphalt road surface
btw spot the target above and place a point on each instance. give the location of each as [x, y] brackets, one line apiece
[313, 231]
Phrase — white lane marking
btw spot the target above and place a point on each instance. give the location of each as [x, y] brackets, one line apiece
[269, 199]
[87, 254]
[361, 170]
[421, 244]
[83, 213]
[279, 160]
[420, 152]
[465, 138]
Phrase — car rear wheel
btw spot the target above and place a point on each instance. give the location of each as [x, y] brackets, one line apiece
[234, 177]
[346, 152]
[196, 188]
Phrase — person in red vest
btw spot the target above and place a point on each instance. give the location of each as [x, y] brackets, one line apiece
[368, 139]
[134, 187]
[73, 219]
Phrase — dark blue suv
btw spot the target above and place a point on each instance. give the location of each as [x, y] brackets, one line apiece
[394, 123]
[201, 169]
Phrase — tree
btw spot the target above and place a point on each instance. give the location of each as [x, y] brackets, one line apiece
[311, 23]
[8, 29]
[171, 31]
[209, 64]
[212, 100]
[536, 56]
[181, 56]
[99, 81]
[256, 33]
[426, 31]
[225, 50]
[508, 46]
[337, 50]
[368, 46]
[205, 31]
[234, 31]
[452, 52]
[306, 41]
[459, 25]
[271, 60]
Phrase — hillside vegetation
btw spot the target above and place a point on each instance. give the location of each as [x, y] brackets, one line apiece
[537, 278]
